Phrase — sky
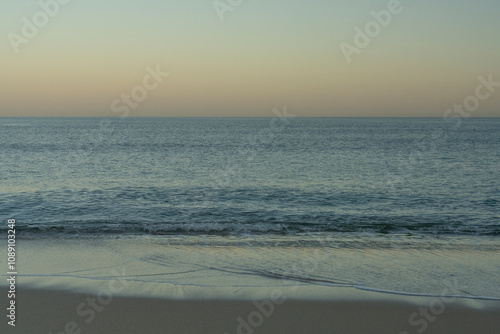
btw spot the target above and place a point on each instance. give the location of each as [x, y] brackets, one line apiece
[94, 58]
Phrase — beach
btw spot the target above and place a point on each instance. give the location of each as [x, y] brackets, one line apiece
[52, 311]
[162, 285]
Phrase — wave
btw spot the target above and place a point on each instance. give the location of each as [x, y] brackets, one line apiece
[241, 228]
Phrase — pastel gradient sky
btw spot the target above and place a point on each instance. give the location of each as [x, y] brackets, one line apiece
[265, 54]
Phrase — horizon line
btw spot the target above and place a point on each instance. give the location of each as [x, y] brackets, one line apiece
[294, 116]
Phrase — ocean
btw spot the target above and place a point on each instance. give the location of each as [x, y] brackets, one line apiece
[395, 205]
